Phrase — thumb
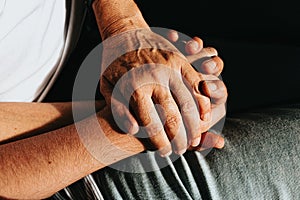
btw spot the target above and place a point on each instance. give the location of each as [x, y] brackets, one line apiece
[121, 114]
[210, 140]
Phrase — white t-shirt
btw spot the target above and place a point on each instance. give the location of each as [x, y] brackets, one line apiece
[32, 34]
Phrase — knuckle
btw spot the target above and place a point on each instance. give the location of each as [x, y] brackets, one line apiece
[188, 106]
[153, 129]
[138, 95]
[173, 121]
[200, 76]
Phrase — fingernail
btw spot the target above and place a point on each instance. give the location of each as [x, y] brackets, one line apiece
[127, 125]
[212, 86]
[220, 144]
[173, 35]
[131, 128]
[196, 142]
[180, 152]
[211, 65]
[134, 129]
[193, 44]
[165, 151]
[165, 154]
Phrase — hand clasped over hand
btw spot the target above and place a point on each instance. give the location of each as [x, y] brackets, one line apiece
[142, 69]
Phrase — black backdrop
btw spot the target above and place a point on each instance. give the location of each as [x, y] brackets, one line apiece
[255, 20]
[258, 41]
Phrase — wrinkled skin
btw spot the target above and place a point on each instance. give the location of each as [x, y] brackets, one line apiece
[172, 102]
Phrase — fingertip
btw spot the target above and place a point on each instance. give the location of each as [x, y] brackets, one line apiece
[180, 152]
[220, 143]
[209, 66]
[134, 129]
[165, 152]
[213, 66]
[173, 36]
[199, 41]
[195, 142]
[192, 47]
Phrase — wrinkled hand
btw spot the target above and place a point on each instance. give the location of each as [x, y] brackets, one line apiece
[206, 61]
[163, 91]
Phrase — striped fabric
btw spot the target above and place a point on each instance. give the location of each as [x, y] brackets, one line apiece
[260, 160]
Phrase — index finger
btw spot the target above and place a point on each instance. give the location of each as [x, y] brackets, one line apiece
[151, 122]
[188, 109]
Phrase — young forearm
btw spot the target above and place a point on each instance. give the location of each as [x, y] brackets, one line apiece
[21, 119]
[117, 16]
[39, 166]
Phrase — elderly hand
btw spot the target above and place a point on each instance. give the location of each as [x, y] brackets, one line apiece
[170, 99]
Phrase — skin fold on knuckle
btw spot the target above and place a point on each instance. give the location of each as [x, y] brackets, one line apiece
[154, 129]
[188, 106]
[151, 122]
[172, 124]
[179, 141]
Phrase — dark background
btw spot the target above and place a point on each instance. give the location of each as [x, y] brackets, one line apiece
[258, 41]
[254, 21]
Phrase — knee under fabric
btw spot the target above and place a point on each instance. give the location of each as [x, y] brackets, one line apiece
[260, 160]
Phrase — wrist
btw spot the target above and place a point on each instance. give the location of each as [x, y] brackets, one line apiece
[117, 16]
[122, 25]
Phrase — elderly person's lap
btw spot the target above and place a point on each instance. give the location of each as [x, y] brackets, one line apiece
[260, 160]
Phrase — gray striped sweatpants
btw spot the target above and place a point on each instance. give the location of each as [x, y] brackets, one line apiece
[260, 160]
